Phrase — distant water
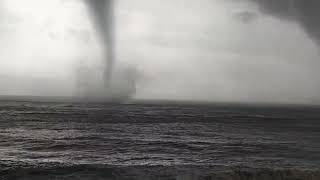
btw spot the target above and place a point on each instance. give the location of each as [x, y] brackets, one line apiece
[148, 141]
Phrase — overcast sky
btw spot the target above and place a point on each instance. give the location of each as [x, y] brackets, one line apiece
[212, 50]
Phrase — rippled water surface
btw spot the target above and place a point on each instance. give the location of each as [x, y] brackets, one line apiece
[130, 135]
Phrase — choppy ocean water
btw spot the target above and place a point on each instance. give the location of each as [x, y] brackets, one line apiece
[41, 140]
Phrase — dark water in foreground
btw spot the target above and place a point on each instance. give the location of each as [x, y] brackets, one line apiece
[130, 141]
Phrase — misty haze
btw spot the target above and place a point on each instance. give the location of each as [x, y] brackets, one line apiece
[160, 89]
[238, 51]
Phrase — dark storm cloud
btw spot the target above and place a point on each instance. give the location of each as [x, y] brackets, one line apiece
[304, 12]
[103, 17]
[246, 16]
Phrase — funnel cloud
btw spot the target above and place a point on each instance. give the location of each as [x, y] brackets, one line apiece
[118, 82]
[102, 14]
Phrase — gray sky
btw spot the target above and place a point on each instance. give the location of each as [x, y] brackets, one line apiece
[212, 50]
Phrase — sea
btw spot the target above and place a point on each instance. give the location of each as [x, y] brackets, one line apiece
[161, 141]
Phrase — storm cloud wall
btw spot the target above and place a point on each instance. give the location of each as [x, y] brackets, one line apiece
[305, 12]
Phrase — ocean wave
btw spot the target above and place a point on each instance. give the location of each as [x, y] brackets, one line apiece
[96, 172]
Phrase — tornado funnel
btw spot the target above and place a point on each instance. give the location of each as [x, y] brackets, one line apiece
[102, 15]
